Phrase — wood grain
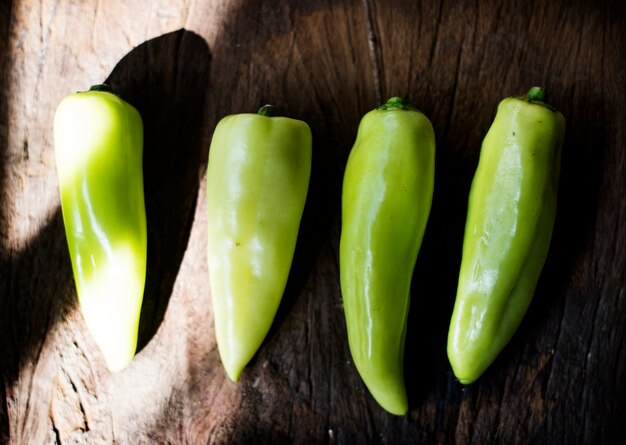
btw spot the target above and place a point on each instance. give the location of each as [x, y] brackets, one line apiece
[185, 64]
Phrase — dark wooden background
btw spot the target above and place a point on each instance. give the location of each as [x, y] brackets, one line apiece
[185, 64]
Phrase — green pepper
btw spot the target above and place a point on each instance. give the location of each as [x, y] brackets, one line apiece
[511, 211]
[99, 147]
[257, 183]
[386, 200]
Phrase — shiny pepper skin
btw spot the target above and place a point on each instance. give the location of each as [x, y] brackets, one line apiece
[257, 183]
[386, 200]
[98, 141]
[510, 217]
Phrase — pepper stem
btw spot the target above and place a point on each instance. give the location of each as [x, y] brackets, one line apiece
[396, 103]
[101, 87]
[536, 94]
[267, 110]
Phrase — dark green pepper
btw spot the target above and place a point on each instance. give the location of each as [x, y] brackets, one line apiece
[387, 194]
[99, 153]
[510, 217]
[257, 183]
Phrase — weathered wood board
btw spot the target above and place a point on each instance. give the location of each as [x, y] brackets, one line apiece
[185, 64]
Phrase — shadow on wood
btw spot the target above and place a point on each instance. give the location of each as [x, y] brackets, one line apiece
[34, 280]
[167, 79]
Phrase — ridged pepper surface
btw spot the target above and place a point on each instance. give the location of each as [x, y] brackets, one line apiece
[386, 200]
[510, 217]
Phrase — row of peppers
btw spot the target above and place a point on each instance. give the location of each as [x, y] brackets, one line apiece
[257, 181]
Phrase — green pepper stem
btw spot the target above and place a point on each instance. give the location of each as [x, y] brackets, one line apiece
[101, 87]
[536, 94]
[267, 110]
[396, 103]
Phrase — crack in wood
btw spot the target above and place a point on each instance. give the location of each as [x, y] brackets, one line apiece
[55, 430]
[433, 48]
[81, 407]
[372, 42]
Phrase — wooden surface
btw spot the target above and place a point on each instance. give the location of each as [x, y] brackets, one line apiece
[185, 64]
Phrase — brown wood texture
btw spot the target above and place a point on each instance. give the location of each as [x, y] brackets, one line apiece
[185, 64]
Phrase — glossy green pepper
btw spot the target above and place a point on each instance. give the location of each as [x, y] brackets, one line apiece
[98, 141]
[511, 211]
[386, 199]
[257, 183]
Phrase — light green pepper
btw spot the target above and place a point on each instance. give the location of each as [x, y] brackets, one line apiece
[510, 217]
[387, 194]
[99, 148]
[257, 183]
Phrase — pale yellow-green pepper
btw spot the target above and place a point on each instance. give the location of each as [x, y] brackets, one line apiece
[257, 183]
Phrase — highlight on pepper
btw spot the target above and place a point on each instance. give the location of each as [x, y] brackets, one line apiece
[98, 140]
